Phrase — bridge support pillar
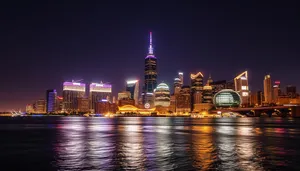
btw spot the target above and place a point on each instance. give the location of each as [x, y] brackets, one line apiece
[296, 111]
[257, 113]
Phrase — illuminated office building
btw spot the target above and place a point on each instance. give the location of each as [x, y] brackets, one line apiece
[242, 87]
[268, 89]
[72, 91]
[40, 106]
[83, 104]
[275, 94]
[29, 108]
[59, 104]
[177, 86]
[183, 100]
[207, 96]
[132, 86]
[98, 92]
[256, 98]
[150, 77]
[51, 101]
[124, 95]
[277, 83]
[196, 89]
[162, 95]
[180, 76]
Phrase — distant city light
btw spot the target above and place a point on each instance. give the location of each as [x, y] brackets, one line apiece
[132, 81]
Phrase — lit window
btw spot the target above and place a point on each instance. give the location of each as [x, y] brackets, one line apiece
[244, 87]
[245, 94]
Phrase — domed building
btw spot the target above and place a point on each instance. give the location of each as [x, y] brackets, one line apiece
[162, 95]
[227, 98]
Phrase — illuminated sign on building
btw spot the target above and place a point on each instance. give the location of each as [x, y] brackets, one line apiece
[73, 86]
[96, 87]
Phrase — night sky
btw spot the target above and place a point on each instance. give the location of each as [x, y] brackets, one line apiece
[44, 44]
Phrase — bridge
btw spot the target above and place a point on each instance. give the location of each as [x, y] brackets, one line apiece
[293, 110]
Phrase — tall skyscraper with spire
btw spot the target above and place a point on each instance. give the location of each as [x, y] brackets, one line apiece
[150, 76]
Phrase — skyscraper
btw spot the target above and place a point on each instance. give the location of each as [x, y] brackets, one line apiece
[196, 88]
[177, 86]
[51, 101]
[183, 100]
[207, 96]
[180, 76]
[277, 83]
[150, 76]
[40, 106]
[72, 91]
[241, 86]
[98, 92]
[268, 89]
[133, 87]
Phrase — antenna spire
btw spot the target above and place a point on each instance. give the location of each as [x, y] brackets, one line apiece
[150, 45]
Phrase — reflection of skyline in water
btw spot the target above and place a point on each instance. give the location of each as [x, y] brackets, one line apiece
[168, 144]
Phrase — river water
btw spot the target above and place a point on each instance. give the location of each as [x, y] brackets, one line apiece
[149, 143]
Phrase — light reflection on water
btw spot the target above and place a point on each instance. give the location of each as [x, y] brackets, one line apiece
[165, 143]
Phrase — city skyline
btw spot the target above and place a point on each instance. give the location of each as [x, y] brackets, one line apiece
[40, 62]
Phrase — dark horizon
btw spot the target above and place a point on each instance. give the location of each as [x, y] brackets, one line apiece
[45, 44]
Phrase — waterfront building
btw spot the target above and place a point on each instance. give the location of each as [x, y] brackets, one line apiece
[268, 89]
[183, 100]
[207, 96]
[256, 98]
[59, 104]
[150, 77]
[83, 104]
[196, 89]
[124, 95]
[51, 96]
[98, 92]
[132, 86]
[29, 108]
[162, 95]
[242, 87]
[277, 83]
[126, 101]
[207, 99]
[172, 103]
[40, 106]
[135, 110]
[291, 91]
[227, 98]
[102, 107]
[275, 94]
[72, 91]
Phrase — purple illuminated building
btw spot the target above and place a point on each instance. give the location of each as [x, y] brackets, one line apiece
[99, 92]
[51, 101]
[71, 92]
[150, 76]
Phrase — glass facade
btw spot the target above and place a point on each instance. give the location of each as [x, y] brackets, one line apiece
[227, 98]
